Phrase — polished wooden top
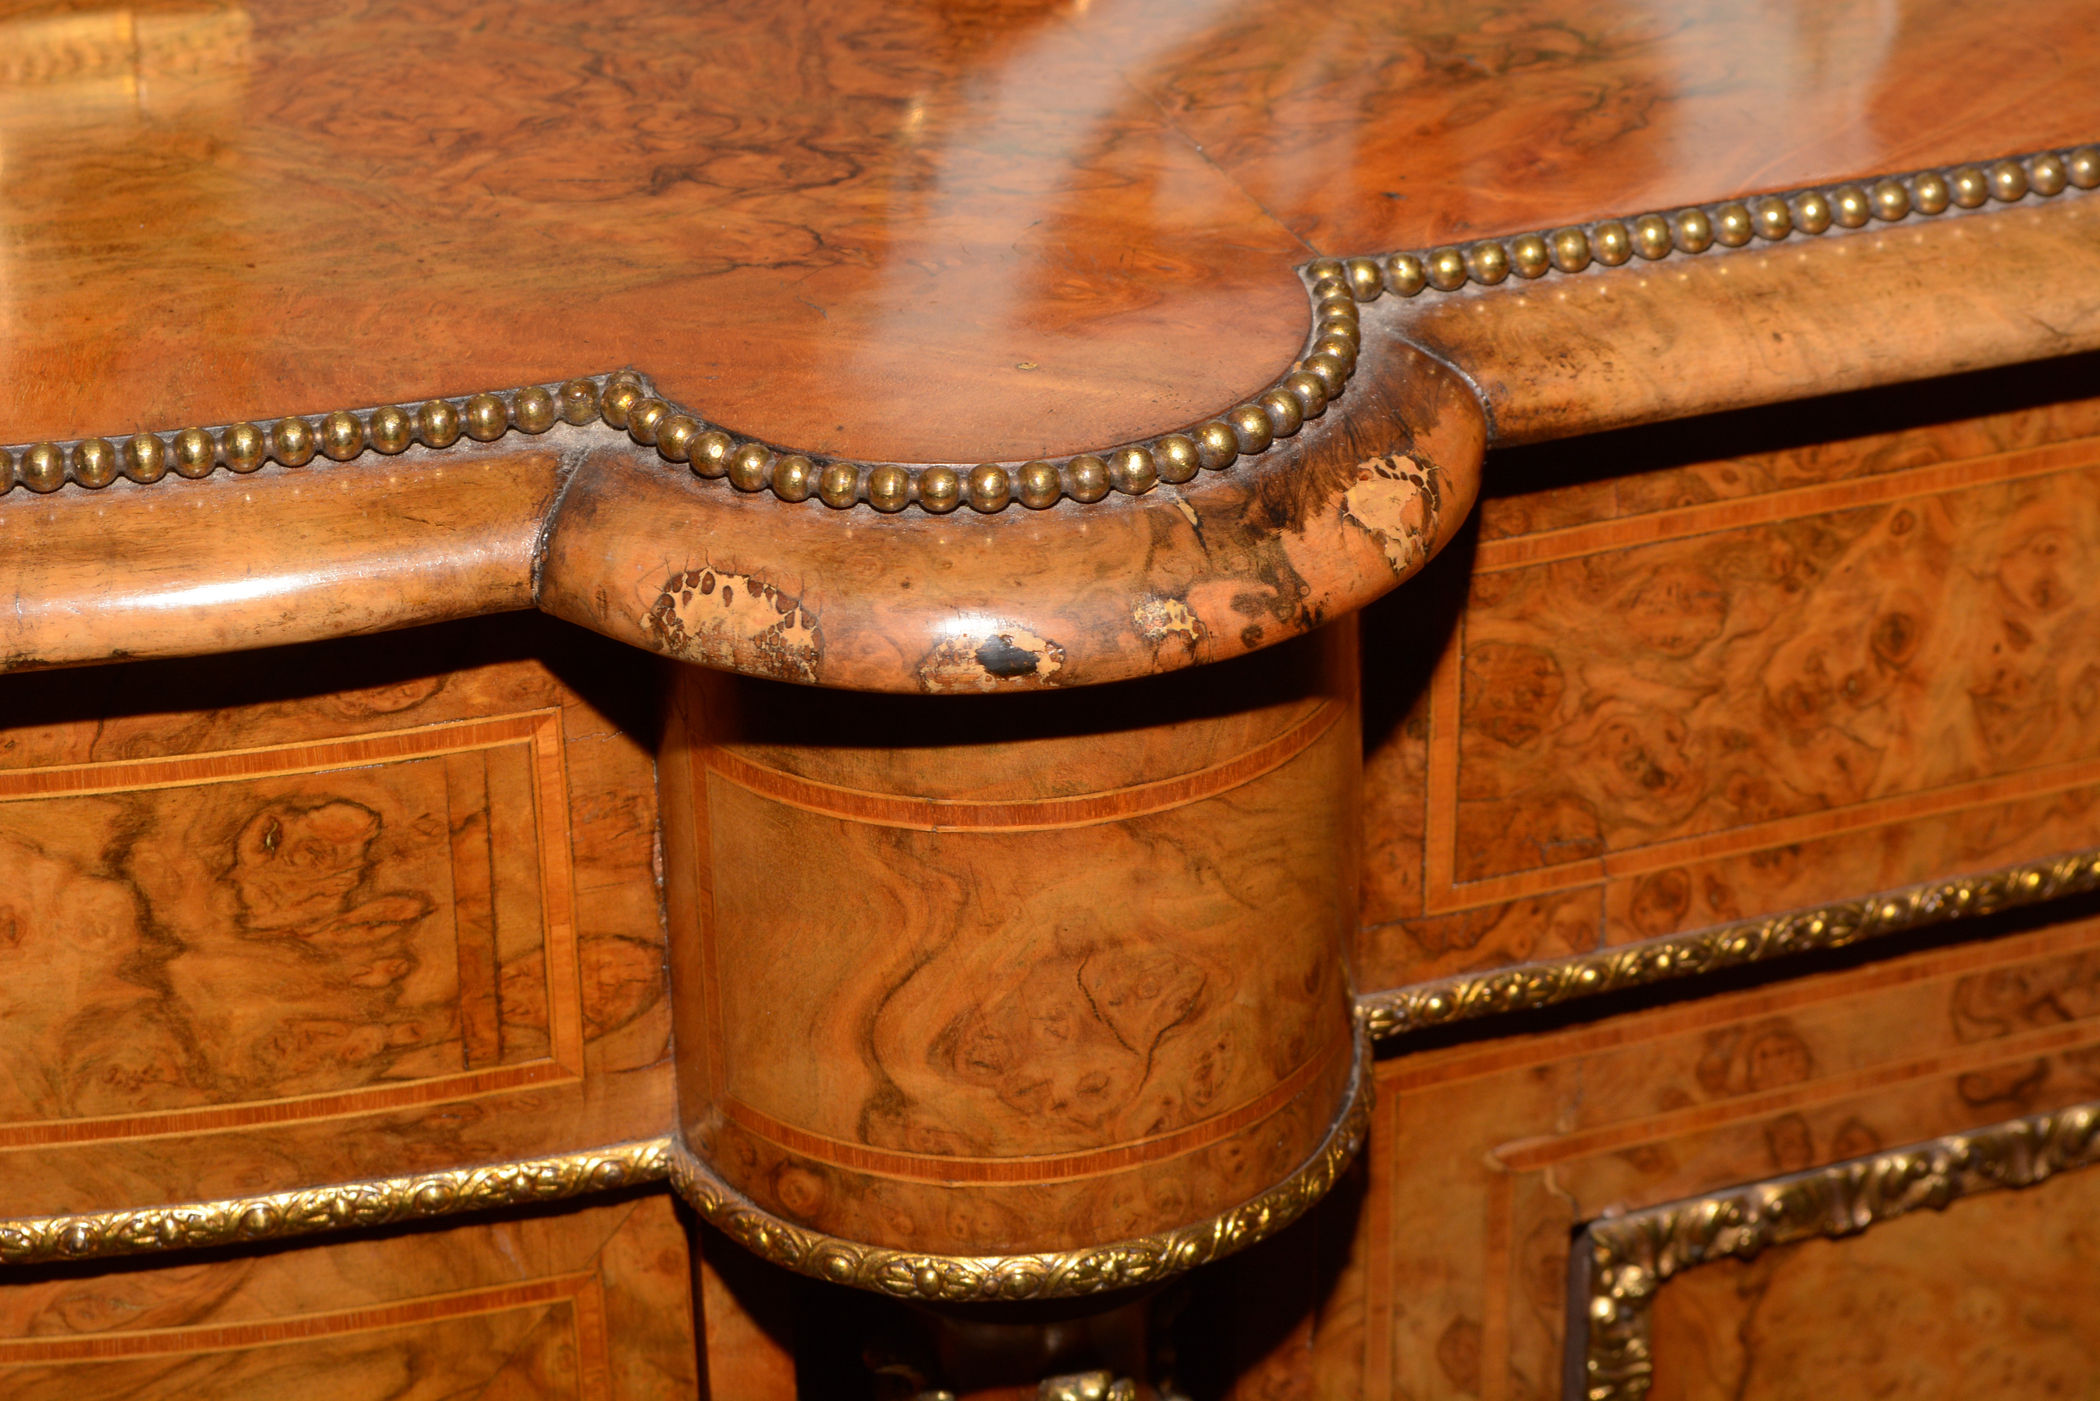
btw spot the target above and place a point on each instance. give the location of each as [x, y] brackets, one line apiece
[945, 232]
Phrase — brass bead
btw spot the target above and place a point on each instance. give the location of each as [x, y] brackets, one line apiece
[1250, 428]
[1342, 330]
[391, 429]
[485, 418]
[990, 488]
[194, 452]
[1404, 275]
[1336, 309]
[95, 462]
[643, 419]
[1891, 201]
[750, 466]
[292, 442]
[620, 396]
[1366, 279]
[2083, 167]
[838, 485]
[2045, 175]
[532, 409]
[342, 436]
[1342, 350]
[1285, 416]
[794, 477]
[1487, 263]
[623, 377]
[43, 468]
[242, 447]
[1217, 445]
[1332, 289]
[1320, 269]
[1176, 457]
[7, 471]
[1651, 236]
[1849, 206]
[146, 457]
[674, 437]
[1611, 244]
[1771, 218]
[1971, 188]
[1929, 193]
[1331, 370]
[1131, 472]
[709, 453]
[889, 487]
[1812, 212]
[1529, 256]
[1040, 487]
[1570, 249]
[2008, 181]
[1086, 478]
[1309, 391]
[1447, 269]
[1733, 226]
[1693, 230]
[437, 424]
[579, 401]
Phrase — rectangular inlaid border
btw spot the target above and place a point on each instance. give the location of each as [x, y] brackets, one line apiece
[539, 729]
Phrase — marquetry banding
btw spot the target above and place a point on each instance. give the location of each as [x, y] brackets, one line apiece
[1740, 223]
[1017, 1171]
[1629, 1256]
[341, 1206]
[1032, 815]
[1552, 981]
[1056, 1274]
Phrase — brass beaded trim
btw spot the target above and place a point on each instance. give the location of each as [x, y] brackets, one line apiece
[958, 1279]
[1553, 981]
[1631, 1255]
[1611, 243]
[624, 400]
[344, 1206]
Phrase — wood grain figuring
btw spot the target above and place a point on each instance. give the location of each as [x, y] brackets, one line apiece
[1619, 346]
[589, 1304]
[231, 563]
[402, 886]
[1493, 1152]
[1022, 600]
[1745, 687]
[1062, 226]
[1988, 1298]
[1031, 1037]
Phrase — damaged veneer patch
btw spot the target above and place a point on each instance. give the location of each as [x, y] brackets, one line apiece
[736, 622]
[1396, 500]
[1010, 658]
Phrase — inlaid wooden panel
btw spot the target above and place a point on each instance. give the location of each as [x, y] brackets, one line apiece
[1486, 1157]
[1728, 688]
[1005, 973]
[1993, 1297]
[591, 1304]
[402, 885]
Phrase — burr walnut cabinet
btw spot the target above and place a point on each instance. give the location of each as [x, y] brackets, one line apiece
[1049, 698]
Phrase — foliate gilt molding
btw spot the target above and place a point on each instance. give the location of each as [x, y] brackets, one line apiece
[1549, 982]
[1765, 219]
[1630, 1256]
[959, 1279]
[344, 1206]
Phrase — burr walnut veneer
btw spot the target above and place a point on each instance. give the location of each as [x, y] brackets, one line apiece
[769, 699]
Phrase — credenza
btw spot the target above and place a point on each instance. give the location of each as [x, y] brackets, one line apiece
[1098, 700]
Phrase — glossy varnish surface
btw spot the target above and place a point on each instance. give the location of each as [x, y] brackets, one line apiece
[955, 232]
